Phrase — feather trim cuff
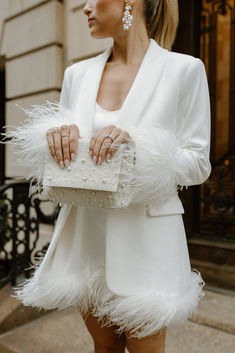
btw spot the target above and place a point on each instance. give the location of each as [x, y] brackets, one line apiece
[158, 163]
[29, 139]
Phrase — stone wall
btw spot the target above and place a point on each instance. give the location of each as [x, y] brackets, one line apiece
[39, 39]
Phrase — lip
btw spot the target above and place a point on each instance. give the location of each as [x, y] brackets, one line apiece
[90, 20]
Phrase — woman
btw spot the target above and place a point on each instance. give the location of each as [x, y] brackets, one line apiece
[127, 271]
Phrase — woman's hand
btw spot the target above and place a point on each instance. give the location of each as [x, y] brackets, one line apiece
[63, 143]
[102, 146]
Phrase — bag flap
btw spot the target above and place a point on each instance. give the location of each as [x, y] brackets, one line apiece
[84, 172]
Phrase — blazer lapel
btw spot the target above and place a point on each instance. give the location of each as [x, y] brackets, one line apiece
[140, 96]
[89, 90]
[140, 93]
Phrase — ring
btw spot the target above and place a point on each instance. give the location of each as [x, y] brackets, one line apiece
[112, 138]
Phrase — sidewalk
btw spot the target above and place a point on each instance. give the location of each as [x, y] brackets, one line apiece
[212, 331]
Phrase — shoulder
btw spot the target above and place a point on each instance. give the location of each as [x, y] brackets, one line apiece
[184, 60]
[185, 63]
[185, 69]
[80, 67]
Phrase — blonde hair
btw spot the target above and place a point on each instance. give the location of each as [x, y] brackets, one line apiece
[162, 19]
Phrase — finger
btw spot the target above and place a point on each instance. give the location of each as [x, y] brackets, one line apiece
[92, 144]
[97, 146]
[50, 142]
[104, 131]
[116, 144]
[65, 144]
[73, 140]
[107, 143]
[58, 146]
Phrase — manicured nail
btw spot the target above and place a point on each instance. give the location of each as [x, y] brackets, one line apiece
[73, 156]
[90, 153]
[94, 158]
[108, 155]
[55, 158]
[61, 164]
[99, 160]
[66, 162]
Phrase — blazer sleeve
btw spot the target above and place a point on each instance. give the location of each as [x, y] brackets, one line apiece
[167, 161]
[29, 140]
[194, 130]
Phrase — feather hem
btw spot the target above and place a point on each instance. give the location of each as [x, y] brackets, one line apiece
[142, 314]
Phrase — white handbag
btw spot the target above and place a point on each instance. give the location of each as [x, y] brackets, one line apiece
[88, 184]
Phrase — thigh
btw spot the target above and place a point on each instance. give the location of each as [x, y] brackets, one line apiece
[104, 336]
[150, 344]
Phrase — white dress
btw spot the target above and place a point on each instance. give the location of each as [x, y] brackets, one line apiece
[164, 295]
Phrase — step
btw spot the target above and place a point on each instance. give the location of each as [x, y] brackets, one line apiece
[13, 312]
[4, 349]
[56, 332]
[196, 338]
[216, 310]
[215, 260]
[60, 332]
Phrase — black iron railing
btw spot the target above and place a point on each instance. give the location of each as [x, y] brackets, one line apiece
[20, 217]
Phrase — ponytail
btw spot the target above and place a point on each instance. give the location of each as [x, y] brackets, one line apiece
[162, 18]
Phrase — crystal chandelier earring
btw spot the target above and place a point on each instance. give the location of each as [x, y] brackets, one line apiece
[127, 18]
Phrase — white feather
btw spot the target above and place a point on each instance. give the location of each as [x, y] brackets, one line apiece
[29, 139]
[157, 152]
[143, 313]
[157, 163]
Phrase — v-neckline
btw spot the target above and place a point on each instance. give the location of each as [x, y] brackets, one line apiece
[132, 111]
[105, 110]
[134, 81]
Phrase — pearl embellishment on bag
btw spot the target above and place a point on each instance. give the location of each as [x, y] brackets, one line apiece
[86, 196]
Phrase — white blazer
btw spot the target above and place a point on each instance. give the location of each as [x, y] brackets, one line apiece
[166, 112]
[170, 92]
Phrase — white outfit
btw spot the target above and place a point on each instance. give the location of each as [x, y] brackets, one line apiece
[130, 265]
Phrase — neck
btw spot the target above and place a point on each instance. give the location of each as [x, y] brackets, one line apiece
[130, 48]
